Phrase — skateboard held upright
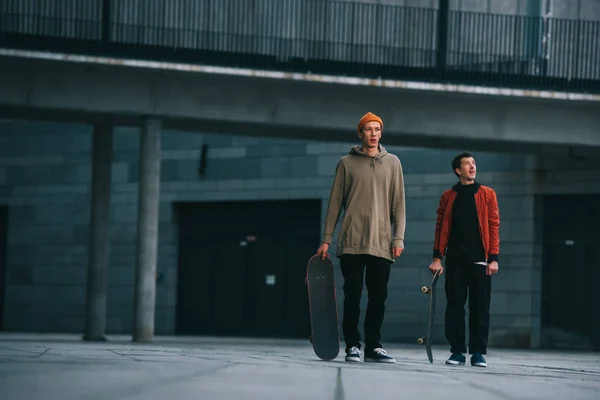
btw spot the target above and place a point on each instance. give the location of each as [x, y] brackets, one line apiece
[325, 335]
[431, 292]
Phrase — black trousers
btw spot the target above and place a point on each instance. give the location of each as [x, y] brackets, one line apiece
[377, 277]
[461, 276]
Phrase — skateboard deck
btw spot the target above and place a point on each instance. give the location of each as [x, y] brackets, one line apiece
[325, 335]
[426, 340]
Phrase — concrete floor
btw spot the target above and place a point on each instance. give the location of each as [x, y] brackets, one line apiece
[35, 366]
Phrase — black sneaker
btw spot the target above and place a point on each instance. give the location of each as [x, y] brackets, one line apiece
[378, 355]
[456, 359]
[353, 354]
[477, 360]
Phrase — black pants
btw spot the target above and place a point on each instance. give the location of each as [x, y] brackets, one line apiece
[377, 277]
[461, 276]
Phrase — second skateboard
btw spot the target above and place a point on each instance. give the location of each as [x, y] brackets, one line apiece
[426, 340]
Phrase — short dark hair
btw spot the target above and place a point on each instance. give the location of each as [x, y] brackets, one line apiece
[457, 160]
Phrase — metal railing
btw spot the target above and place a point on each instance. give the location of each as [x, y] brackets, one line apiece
[320, 36]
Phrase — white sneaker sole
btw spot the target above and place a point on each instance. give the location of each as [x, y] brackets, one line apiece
[353, 359]
[450, 362]
[385, 361]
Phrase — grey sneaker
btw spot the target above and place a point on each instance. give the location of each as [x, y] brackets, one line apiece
[456, 359]
[353, 355]
[378, 355]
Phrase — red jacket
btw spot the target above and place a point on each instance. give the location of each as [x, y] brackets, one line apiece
[489, 222]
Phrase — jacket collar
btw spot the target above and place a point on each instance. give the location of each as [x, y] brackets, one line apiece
[476, 185]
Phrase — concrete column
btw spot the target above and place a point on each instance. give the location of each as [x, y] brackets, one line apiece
[99, 245]
[147, 245]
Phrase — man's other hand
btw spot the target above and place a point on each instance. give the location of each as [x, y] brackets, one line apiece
[436, 265]
[323, 250]
[492, 268]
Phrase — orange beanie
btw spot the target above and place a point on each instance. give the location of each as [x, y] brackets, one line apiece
[369, 117]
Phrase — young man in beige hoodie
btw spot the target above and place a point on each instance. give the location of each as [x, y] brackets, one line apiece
[369, 186]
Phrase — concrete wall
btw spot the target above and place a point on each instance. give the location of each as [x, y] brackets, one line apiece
[237, 102]
[45, 174]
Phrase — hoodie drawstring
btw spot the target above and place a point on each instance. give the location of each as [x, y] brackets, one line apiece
[379, 157]
[373, 161]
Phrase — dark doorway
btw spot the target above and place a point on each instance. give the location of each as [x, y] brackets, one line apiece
[570, 304]
[242, 267]
[3, 246]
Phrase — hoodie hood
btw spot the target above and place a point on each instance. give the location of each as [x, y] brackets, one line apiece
[357, 151]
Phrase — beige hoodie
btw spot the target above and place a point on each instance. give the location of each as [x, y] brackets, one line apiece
[371, 191]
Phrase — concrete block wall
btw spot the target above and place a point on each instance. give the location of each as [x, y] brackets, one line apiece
[44, 178]
[45, 183]
[252, 168]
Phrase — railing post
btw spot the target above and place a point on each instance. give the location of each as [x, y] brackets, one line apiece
[106, 20]
[442, 35]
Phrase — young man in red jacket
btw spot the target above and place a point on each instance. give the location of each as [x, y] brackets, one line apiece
[467, 234]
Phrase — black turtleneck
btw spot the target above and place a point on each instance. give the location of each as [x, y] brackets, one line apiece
[465, 241]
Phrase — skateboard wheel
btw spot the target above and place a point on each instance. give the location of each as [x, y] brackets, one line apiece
[425, 289]
[422, 340]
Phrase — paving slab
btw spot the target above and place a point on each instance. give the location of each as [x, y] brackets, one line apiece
[37, 366]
